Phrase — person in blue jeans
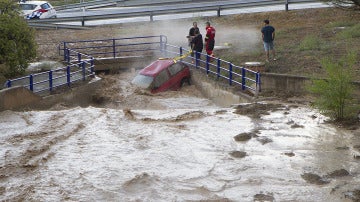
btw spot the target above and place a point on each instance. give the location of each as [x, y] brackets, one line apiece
[268, 36]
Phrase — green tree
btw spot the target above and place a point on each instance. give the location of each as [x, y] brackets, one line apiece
[17, 44]
[335, 93]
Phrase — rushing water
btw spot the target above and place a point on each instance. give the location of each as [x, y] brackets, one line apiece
[181, 147]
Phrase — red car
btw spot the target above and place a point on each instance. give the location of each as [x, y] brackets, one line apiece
[162, 75]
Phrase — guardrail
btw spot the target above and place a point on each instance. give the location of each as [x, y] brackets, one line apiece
[114, 48]
[219, 69]
[78, 69]
[80, 56]
[151, 11]
[105, 3]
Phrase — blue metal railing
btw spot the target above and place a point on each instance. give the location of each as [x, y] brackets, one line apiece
[43, 82]
[219, 69]
[114, 48]
[80, 56]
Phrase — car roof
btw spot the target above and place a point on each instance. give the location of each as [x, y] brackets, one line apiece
[34, 2]
[156, 67]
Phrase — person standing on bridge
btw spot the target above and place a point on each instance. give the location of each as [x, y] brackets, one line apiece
[191, 35]
[197, 44]
[209, 39]
[268, 36]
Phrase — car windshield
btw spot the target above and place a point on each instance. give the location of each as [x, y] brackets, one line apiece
[27, 6]
[142, 81]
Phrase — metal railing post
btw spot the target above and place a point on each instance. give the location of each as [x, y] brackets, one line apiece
[67, 55]
[218, 68]
[92, 65]
[207, 63]
[50, 80]
[230, 73]
[31, 79]
[258, 82]
[181, 53]
[114, 49]
[83, 70]
[243, 80]
[8, 83]
[68, 81]
[79, 59]
[286, 5]
[65, 52]
[161, 44]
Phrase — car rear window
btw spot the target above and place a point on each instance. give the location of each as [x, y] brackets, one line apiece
[27, 6]
[142, 81]
[45, 6]
[175, 68]
[161, 78]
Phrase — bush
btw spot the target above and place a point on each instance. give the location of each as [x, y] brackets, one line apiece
[335, 92]
[17, 44]
[310, 43]
[350, 32]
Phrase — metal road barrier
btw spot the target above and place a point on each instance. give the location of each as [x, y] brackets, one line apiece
[80, 55]
[124, 3]
[151, 11]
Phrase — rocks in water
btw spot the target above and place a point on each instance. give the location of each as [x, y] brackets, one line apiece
[314, 179]
[242, 137]
[264, 197]
[238, 154]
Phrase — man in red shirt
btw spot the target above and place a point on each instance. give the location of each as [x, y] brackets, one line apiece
[209, 39]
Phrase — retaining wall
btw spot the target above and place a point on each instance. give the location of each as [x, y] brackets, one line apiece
[20, 98]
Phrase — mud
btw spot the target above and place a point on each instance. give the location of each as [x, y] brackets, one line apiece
[175, 146]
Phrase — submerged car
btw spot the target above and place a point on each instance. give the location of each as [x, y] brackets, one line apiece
[162, 75]
[37, 9]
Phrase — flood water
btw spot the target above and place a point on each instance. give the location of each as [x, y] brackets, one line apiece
[175, 146]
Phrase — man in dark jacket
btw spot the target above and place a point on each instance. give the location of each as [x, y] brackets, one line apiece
[192, 32]
[197, 44]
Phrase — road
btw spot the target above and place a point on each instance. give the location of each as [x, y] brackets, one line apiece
[156, 10]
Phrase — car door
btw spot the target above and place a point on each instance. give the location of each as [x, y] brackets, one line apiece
[176, 76]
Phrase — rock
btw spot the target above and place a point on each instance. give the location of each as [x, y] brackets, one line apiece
[314, 179]
[339, 173]
[264, 197]
[290, 154]
[238, 154]
[243, 137]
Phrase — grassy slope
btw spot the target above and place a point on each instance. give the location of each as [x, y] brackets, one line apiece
[303, 37]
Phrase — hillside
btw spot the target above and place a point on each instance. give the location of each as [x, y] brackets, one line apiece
[303, 37]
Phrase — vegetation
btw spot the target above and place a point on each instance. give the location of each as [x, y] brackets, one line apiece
[335, 92]
[303, 37]
[17, 45]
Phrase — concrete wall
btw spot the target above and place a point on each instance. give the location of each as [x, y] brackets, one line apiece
[283, 83]
[220, 93]
[19, 98]
[16, 97]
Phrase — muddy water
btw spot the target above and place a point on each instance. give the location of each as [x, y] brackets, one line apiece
[175, 146]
